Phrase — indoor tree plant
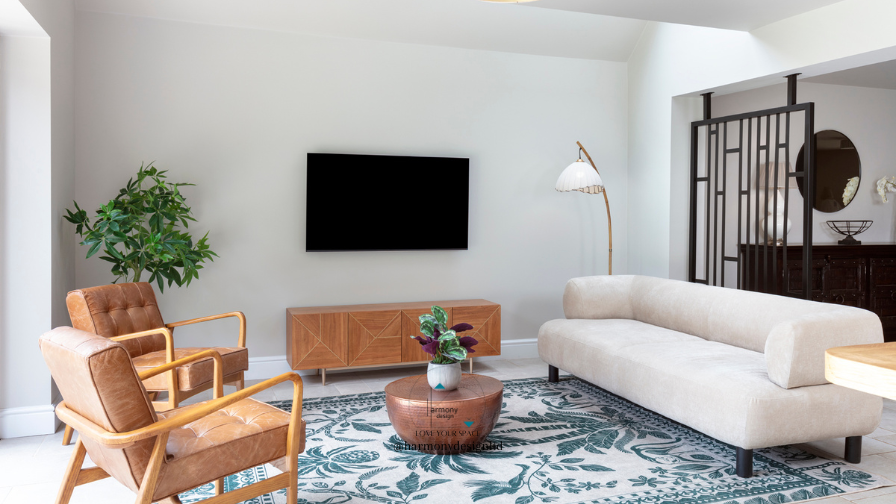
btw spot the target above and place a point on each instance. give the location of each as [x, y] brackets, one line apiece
[145, 222]
[446, 347]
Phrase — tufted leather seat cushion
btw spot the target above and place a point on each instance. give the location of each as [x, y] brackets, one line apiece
[194, 374]
[115, 310]
[245, 434]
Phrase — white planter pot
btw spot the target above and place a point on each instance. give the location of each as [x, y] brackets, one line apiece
[443, 376]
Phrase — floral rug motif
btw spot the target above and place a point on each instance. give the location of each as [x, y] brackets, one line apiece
[566, 442]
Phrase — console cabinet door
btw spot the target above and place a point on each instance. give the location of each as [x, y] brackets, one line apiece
[317, 340]
[374, 337]
[820, 269]
[844, 282]
[411, 349]
[486, 322]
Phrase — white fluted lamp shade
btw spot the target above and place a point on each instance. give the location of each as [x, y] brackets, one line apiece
[580, 176]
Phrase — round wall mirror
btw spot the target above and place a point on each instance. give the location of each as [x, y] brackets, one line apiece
[836, 165]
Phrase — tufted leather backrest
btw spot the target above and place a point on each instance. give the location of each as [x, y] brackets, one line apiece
[118, 309]
[98, 381]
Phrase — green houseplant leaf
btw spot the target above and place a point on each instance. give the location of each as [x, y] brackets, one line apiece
[440, 314]
[139, 231]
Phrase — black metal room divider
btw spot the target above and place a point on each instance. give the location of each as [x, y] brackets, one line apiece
[737, 232]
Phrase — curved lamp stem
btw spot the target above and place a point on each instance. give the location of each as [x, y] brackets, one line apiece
[607, 201]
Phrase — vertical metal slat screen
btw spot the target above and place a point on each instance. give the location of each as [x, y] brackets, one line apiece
[752, 146]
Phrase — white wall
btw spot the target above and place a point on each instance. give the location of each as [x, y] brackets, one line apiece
[57, 18]
[675, 60]
[36, 181]
[235, 111]
[24, 216]
[868, 117]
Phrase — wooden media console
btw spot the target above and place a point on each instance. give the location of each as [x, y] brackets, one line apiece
[337, 337]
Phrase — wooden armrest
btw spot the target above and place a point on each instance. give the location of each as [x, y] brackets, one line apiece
[191, 414]
[164, 331]
[219, 368]
[241, 342]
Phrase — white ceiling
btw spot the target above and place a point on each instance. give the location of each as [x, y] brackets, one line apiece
[728, 14]
[880, 75]
[588, 29]
[469, 24]
[16, 21]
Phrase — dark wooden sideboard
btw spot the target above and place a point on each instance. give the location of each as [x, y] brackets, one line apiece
[863, 276]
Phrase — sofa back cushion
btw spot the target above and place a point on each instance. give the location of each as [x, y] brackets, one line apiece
[599, 297]
[735, 317]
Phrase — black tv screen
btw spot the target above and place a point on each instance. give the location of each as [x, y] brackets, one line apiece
[359, 202]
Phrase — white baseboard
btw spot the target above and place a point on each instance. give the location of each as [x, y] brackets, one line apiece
[262, 368]
[28, 421]
[515, 349]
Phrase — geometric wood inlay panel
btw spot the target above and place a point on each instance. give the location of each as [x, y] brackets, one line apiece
[486, 322]
[373, 337]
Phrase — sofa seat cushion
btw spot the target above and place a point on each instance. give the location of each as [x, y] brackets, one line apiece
[194, 374]
[718, 389]
[244, 434]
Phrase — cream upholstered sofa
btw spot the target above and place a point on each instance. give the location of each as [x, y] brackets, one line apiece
[742, 367]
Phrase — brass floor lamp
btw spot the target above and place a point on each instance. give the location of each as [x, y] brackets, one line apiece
[579, 177]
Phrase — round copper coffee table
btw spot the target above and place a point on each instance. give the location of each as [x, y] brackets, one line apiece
[440, 423]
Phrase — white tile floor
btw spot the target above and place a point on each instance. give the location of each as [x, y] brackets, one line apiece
[31, 468]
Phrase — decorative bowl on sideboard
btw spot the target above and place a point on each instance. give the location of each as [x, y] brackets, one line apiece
[849, 228]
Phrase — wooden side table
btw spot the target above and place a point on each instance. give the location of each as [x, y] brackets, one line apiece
[440, 423]
[869, 368]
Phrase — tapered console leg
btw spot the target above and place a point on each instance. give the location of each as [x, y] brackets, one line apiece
[553, 374]
[853, 453]
[744, 463]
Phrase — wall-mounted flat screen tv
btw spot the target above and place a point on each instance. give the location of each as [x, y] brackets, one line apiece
[359, 202]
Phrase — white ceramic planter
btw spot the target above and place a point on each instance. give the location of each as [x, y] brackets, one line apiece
[443, 376]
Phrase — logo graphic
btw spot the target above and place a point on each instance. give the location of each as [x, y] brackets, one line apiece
[440, 387]
[469, 424]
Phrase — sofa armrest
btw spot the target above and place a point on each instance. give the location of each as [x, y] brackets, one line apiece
[794, 350]
[598, 297]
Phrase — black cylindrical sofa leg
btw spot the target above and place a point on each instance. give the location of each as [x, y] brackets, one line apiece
[744, 463]
[553, 374]
[853, 453]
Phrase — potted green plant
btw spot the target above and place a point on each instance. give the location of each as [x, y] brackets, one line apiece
[145, 222]
[448, 349]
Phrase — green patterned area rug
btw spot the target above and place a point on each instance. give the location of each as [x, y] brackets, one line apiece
[566, 442]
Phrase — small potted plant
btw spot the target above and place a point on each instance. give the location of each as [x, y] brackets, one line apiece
[446, 347]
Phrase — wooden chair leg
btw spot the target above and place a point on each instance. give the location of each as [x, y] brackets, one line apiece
[239, 383]
[67, 435]
[71, 474]
[151, 476]
[219, 486]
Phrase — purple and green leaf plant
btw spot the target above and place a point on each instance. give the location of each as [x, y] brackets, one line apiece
[443, 343]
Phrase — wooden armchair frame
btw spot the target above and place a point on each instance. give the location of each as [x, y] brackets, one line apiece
[75, 475]
[175, 396]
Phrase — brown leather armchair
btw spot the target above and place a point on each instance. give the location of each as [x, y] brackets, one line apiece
[159, 455]
[129, 313]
